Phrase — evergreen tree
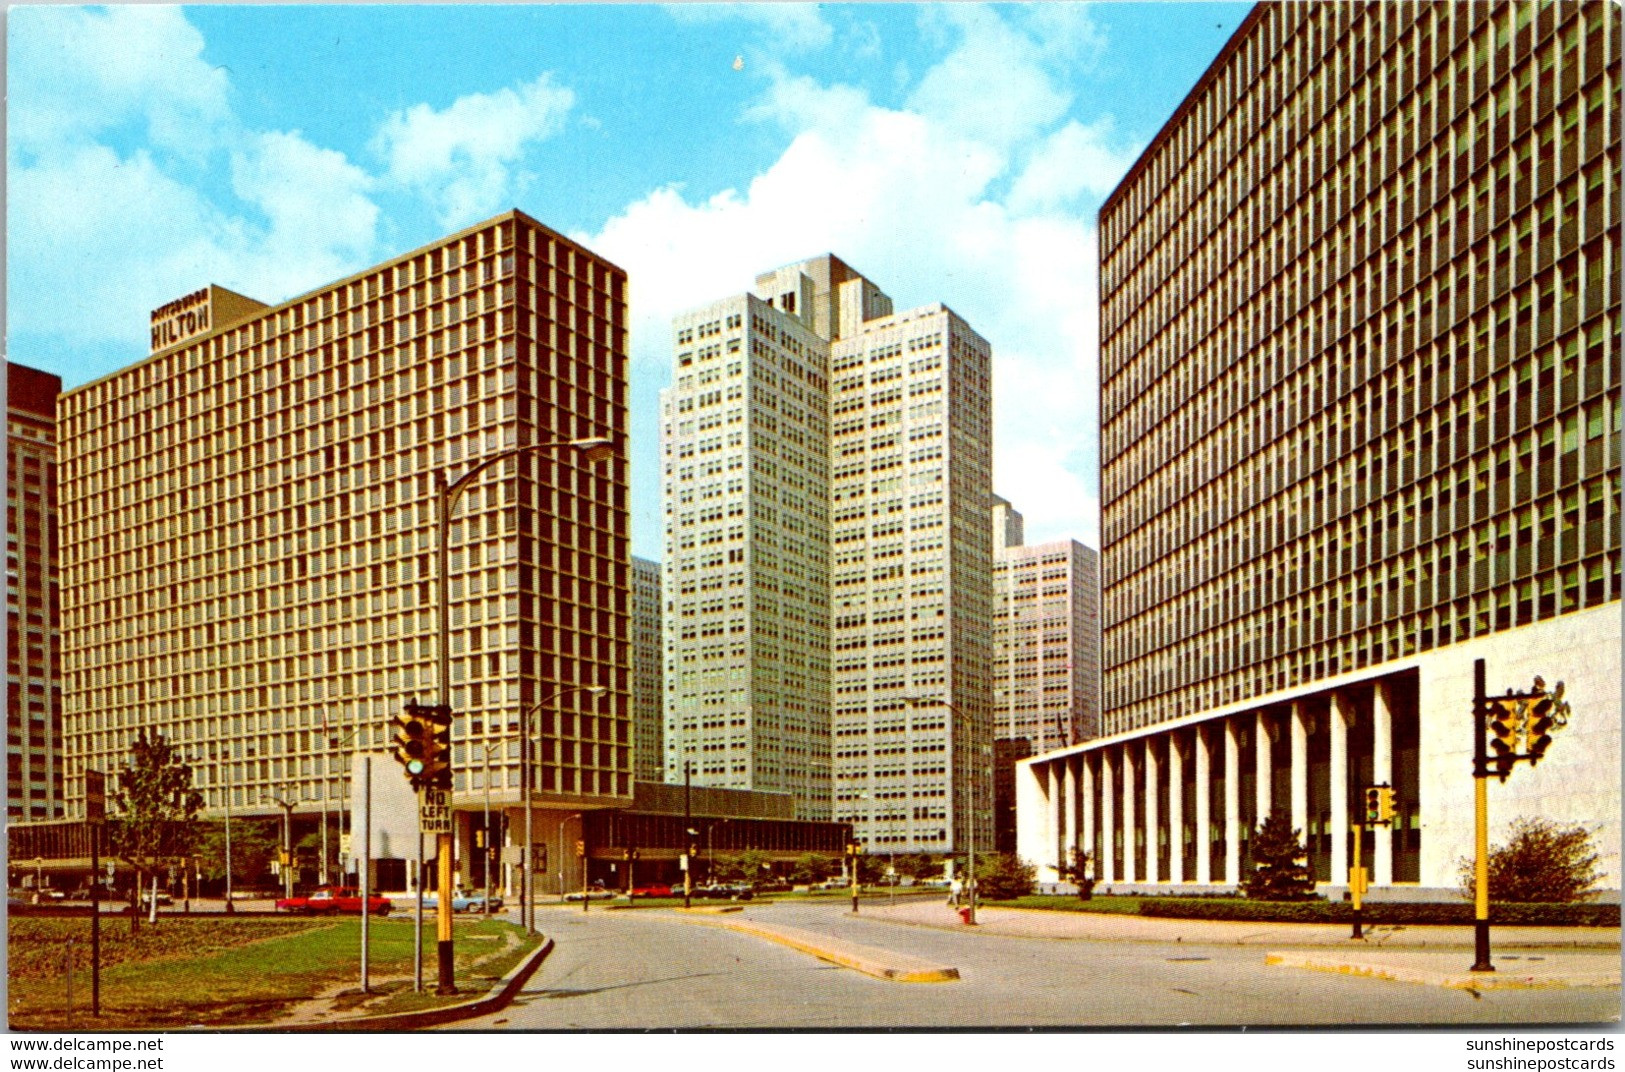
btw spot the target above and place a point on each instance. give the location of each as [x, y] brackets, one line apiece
[1281, 870]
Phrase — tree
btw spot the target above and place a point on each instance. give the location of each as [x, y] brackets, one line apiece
[1543, 863]
[1004, 876]
[917, 866]
[254, 844]
[811, 867]
[745, 866]
[1079, 869]
[155, 807]
[1278, 874]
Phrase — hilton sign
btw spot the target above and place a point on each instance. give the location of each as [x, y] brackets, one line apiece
[181, 319]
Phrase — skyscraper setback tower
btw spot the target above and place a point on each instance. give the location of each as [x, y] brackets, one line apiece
[248, 523]
[826, 488]
[34, 645]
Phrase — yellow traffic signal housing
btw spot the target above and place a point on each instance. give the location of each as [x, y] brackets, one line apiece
[581, 848]
[1373, 806]
[1506, 718]
[1540, 721]
[413, 743]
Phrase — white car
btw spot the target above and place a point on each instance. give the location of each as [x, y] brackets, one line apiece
[597, 893]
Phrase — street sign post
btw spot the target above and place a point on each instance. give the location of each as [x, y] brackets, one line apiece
[434, 811]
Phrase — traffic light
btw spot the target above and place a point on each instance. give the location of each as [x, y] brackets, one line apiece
[1373, 806]
[479, 838]
[854, 848]
[1542, 712]
[1385, 804]
[437, 774]
[1506, 717]
[423, 745]
[581, 848]
[413, 740]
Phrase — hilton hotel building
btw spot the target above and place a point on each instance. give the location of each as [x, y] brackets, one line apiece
[828, 473]
[248, 530]
[1360, 403]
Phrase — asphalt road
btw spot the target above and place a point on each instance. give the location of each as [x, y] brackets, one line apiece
[653, 969]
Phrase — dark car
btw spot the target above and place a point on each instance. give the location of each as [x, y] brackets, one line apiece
[726, 891]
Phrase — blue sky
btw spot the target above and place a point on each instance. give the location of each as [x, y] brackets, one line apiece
[952, 152]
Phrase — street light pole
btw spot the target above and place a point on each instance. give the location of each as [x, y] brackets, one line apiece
[230, 908]
[287, 840]
[486, 862]
[527, 770]
[446, 494]
[970, 836]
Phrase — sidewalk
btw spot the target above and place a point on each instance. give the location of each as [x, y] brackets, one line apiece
[1438, 956]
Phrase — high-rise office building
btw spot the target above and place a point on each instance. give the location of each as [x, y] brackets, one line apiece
[648, 679]
[826, 487]
[33, 647]
[1046, 646]
[1359, 310]
[248, 528]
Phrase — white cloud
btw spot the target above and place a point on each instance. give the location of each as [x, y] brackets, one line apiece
[103, 67]
[913, 199]
[463, 157]
[1074, 161]
[795, 26]
[321, 222]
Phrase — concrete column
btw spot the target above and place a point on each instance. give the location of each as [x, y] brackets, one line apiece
[1054, 771]
[1204, 803]
[1232, 804]
[1069, 810]
[1176, 809]
[1150, 811]
[1108, 815]
[1382, 773]
[1300, 769]
[1341, 715]
[1129, 863]
[1263, 738]
[1087, 799]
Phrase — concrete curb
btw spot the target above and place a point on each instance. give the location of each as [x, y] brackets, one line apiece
[880, 963]
[1419, 970]
[495, 998]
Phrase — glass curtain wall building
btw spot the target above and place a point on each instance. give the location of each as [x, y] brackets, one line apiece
[1360, 420]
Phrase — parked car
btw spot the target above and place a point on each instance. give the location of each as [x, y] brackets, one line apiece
[836, 883]
[774, 886]
[164, 898]
[597, 893]
[333, 899]
[653, 890]
[726, 891]
[463, 902]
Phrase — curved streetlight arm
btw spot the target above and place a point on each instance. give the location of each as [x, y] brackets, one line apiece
[595, 449]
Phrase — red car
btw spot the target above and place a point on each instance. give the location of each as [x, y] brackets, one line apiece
[334, 899]
[656, 890]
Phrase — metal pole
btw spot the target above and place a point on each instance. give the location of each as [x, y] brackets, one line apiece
[688, 833]
[229, 906]
[528, 911]
[485, 862]
[366, 869]
[287, 845]
[417, 921]
[322, 871]
[446, 981]
[1357, 879]
[95, 920]
[970, 838]
[1481, 829]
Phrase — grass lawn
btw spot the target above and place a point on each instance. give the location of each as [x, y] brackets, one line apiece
[219, 970]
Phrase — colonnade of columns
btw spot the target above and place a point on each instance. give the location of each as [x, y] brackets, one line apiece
[1110, 796]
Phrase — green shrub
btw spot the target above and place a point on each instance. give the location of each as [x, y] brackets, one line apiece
[1543, 863]
[1004, 876]
[1399, 913]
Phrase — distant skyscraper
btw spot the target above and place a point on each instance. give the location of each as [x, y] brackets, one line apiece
[826, 488]
[1360, 430]
[249, 537]
[34, 770]
[1046, 678]
[648, 679]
